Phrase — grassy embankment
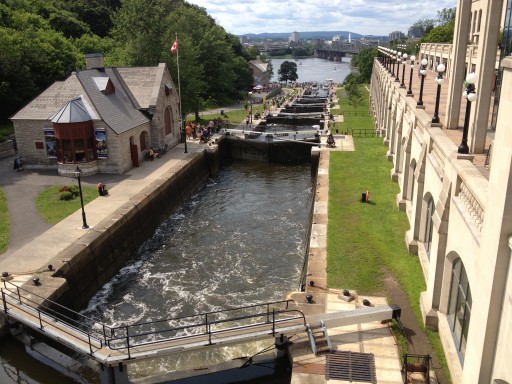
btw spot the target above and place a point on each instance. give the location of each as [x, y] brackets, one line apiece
[366, 241]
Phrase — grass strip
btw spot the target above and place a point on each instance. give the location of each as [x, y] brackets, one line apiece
[52, 209]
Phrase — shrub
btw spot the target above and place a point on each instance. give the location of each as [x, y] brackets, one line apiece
[64, 189]
[74, 190]
[66, 195]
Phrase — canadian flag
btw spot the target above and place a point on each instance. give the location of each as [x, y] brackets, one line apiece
[174, 47]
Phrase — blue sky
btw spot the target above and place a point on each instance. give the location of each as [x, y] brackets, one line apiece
[367, 17]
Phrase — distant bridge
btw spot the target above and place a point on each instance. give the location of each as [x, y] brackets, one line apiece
[339, 50]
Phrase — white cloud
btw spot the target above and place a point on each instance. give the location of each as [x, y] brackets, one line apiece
[367, 17]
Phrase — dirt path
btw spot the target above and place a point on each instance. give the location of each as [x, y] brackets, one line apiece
[417, 341]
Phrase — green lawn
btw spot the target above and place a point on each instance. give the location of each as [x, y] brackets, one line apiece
[4, 222]
[53, 210]
[365, 241]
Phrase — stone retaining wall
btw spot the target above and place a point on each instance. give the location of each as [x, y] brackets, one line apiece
[6, 149]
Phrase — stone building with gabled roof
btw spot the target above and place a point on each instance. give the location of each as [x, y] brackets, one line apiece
[260, 73]
[101, 119]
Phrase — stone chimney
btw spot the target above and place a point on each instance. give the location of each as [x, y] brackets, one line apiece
[94, 61]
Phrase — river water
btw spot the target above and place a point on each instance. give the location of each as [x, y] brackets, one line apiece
[315, 69]
[240, 240]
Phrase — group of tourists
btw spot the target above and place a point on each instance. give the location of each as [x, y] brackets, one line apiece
[201, 132]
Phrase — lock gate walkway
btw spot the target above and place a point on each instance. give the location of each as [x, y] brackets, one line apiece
[112, 346]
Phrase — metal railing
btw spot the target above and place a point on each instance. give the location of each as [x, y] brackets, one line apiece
[267, 317]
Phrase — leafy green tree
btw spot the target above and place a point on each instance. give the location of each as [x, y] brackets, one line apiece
[363, 61]
[97, 14]
[354, 96]
[424, 25]
[440, 34]
[445, 16]
[37, 56]
[288, 71]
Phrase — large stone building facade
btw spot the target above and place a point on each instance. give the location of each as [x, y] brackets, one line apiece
[460, 213]
[100, 119]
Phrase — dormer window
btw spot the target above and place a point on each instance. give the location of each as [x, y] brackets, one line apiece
[104, 85]
[168, 89]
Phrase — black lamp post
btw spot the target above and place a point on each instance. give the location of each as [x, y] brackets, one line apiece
[250, 113]
[423, 73]
[470, 95]
[183, 133]
[393, 59]
[398, 59]
[78, 174]
[439, 80]
[404, 59]
[409, 91]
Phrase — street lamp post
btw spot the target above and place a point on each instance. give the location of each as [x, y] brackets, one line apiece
[404, 59]
[250, 113]
[423, 73]
[398, 59]
[470, 95]
[393, 59]
[78, 174]
[439, 80]
[183, 133]
[409, 91]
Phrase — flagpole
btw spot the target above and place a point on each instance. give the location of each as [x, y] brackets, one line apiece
[182, 128]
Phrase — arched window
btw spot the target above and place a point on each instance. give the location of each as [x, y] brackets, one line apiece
[429, 226]
[411, 180]
[459, 308]
[167, 120]
[143, 141]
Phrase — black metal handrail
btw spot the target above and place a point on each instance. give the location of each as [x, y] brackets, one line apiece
[146, 333]
[48, 315]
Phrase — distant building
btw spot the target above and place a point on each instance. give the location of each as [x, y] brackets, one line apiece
[260, 73]
[396, 35]
[294, 37]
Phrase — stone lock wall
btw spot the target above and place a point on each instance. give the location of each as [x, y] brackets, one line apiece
[85, 266]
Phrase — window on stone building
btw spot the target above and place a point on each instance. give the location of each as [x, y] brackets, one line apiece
[429, 226]
[459, 308]
[167, 120]
[144, 141]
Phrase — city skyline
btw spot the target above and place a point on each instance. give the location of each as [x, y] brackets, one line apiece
[366, 17]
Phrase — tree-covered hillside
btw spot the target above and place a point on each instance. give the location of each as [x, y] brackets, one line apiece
[43, 41]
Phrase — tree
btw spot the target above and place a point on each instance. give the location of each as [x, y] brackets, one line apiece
[354, 96]
[445, 16]
[288, 71]
[424, 26]
[440, 34]
[363, 61]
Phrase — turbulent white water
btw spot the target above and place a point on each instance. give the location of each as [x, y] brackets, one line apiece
[239, 241]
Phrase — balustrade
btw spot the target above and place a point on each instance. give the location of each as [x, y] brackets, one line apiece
[473, 206]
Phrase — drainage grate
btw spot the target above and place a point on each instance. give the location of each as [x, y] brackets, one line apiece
[350, 366]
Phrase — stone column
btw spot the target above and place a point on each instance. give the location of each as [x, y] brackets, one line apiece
[494, 256]
[456, 76]
[487, 47]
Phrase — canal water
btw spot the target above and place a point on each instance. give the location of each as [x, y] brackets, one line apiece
[239, 241]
